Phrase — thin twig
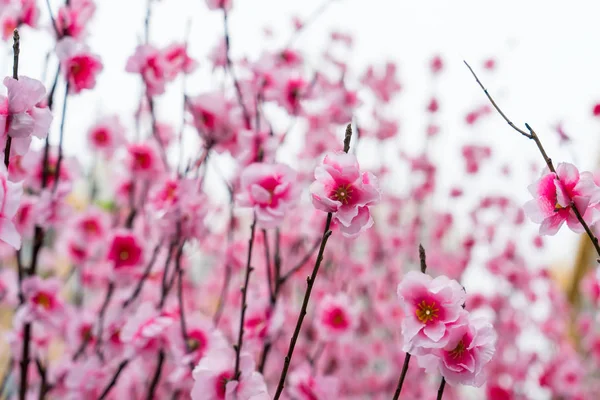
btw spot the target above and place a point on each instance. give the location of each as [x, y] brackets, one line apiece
[310, 282]
[240, 341]
[268, 265]
[236, 84]
[140, 284]
[157, 372]
[61, 138]
[301, 263]
[441, 389]
[312, 18]
[103, 308]
[423, 262]
[16, 51]
[113, 380]
[533, 136]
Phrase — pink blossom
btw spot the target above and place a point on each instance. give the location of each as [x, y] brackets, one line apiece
[106, 135]
[341, 189]
[22, 114]
[213, 378]
[335, 317]
[125, 251]
[219, 4]
[432, 307]
[553, 195]
[73, 18]
[143, 160]
[151, 64]
[384, 86]
[179, 60]
[147, 328]
[10, 197]
[270, 189]
[210, 113]
[469, 348]
[80, 66]
[304, 385]
[42, 299]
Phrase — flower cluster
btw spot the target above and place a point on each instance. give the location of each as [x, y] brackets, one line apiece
[437, 329]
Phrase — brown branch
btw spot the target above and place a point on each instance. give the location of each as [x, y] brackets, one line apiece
[145, 276]
[310, 283]
[423, 263]
[157, 372]
[16, 51]
[240, 341]
[533, 136]
[113, 380]
[441, 389]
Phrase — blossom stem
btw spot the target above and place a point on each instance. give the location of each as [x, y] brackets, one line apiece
[240, 342]
[310, 283]
[145, 276]
[441, 389]
[109, 293]
[236, 84]
[114, 379]
[313, 17]
[227, 275]
[268, 266]
[16, 51]
[61, 138]
[157, 373]
[423, 263]
[531, 134]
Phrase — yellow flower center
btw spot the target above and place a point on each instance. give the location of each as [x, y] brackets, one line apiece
[343, 193]
[43, 300]
[427, 312]
[458, 350]
[124, 255]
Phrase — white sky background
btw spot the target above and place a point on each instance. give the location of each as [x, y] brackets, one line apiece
[548, 63]
[546, 51]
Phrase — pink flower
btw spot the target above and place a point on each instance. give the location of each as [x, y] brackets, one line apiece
[125, 250]
[218, 4]
[106, 135]
[73, 18]
[470, 347]
[213, 378]
[79, 65]
[553, 195]
[210, 113]
[432, 307]
[303, 385]
[341, 189]
[143, 160]
[147, 328]
[179, 60]
[22, 115]
[42, 299]
[10, 197]
[151, 64]
[336, 317]
[270, 189]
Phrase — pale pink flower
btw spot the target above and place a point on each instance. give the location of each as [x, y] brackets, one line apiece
[341, 189]
[10, 197]
[304, 385]
[270, 189]
[432, 307]
[147, 328]
[335, 317]
[143, 160]
[79, 65]
[211, 117]
[152, 65]
[469, 348]
[106, 135]
[553, 195]
[42, 299]
[178, 60]
[22, 114]
[73, 18]
[213, 378]
[125, 250]
[219, 4]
